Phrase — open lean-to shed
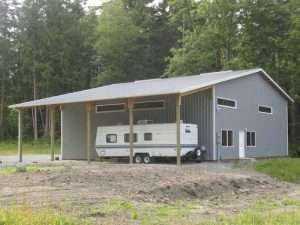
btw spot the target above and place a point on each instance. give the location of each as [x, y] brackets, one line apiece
[239, 113]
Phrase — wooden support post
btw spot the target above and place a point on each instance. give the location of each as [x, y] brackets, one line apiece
[20, 135]
[52, 131]
[61, 107]
[178, 145]
[130, 107]
[89, 107]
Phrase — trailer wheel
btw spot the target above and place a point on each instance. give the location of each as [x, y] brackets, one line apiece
[138, 159]
[147, 159]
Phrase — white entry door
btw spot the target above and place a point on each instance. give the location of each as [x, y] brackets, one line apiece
[241, 144]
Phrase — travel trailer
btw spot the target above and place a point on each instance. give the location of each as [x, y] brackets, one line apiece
[149, 140]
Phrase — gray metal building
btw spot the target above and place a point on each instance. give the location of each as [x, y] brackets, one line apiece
[239, 113]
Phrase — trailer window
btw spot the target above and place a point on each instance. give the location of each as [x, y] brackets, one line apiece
[126, 137]
[147, 136]
[110, 108]
[148, 105]
[111, 138]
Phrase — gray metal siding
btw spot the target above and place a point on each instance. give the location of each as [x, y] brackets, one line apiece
[197, 108]
[271, 130]
[73, 132]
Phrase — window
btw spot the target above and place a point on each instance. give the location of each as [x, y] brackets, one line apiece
[251, 142]
[265, 109]
[147, 136]
[110, 108]
[227, 138]
[126, 137]
[187, 130]
[224, 102]
[148, 105]
[111, 138]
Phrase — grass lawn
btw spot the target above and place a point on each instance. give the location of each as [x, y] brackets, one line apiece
[26, 216]
[284, 169]
[29, 169]
[29, 147]
[265, 212]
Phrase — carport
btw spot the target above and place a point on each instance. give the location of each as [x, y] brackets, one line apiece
[129, 93]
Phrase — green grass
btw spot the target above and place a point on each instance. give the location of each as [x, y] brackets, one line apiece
[268, 212]
[29, 147]
[284, 169]
[30, 169]
[26, 216]
[145, 213]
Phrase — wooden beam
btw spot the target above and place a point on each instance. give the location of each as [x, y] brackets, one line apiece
[52, 130]
[20, 135]
[178, 145]
[130, 108]
[89, 107]
[61, 108]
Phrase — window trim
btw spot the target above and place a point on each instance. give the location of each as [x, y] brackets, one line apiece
[225, 106]
[156, 108]
[250, 146]
[109, 111]
[266, 107]
[227, 146]
[109, 135]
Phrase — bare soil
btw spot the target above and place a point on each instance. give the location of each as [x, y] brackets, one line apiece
[218, 187]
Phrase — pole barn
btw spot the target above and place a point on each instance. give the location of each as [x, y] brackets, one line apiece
[238, 113]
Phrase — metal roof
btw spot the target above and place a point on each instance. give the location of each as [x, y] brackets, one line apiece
[152, 87]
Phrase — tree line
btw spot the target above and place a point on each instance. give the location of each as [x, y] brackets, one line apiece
[51, 47]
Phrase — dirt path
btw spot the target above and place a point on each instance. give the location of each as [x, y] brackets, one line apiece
[218, 187]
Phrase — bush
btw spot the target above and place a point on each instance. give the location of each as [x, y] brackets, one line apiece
[294, 150]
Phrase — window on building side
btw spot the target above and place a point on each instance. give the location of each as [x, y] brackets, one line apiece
[111, 138]
[227, 138]
[110, 108]
[226, 102]
[265, 109]
[148, 105]
[126, 137]
[251, 139]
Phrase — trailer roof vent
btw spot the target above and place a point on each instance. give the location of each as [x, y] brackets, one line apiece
[143, 122]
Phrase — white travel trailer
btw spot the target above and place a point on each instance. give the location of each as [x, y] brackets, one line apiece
[150, 140]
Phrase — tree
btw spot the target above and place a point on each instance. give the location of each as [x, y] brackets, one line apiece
[132, 40]
[7, 53]
[209, 45]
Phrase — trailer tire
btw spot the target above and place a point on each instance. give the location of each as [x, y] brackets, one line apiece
[147, 159]
[138, 159]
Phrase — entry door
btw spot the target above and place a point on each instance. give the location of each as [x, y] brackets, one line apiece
[241, 144]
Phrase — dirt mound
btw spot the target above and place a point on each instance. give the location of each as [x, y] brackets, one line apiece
[82, 184]
[207, 190]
